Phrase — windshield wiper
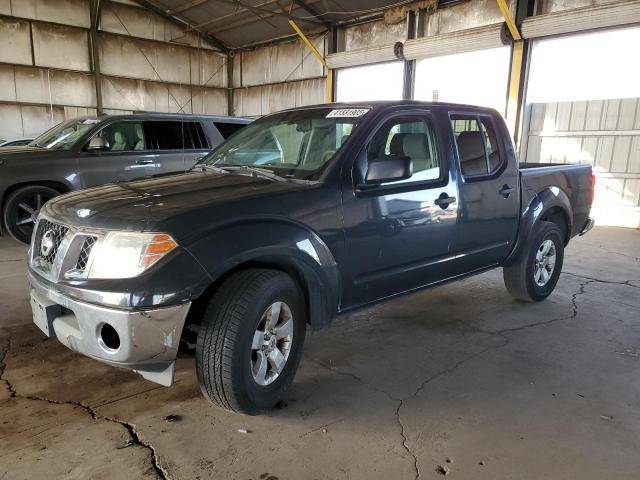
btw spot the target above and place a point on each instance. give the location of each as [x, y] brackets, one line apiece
[206, 166]
[258, 172]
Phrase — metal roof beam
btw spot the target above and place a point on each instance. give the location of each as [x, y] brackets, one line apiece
[183, 23]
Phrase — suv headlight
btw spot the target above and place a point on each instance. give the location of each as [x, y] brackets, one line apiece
[126, 255]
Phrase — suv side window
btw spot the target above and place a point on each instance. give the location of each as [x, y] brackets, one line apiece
[412, 137]
[166, 134]
[124, 136]
[477, 144]
[194, 136]
[228, 129]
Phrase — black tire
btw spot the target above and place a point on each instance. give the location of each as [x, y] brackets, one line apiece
[30, 197]
[519, 276]
[224, 352]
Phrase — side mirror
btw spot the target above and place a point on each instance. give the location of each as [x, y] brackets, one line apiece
[388, 169]
[98, 143]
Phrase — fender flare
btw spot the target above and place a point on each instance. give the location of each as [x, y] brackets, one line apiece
[551, 197]
[274, 243]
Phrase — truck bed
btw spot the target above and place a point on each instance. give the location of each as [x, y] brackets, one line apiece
[573, 179]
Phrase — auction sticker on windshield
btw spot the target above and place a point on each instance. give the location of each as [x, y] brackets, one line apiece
[347, 112]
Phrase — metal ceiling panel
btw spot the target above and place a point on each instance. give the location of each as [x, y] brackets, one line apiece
[241, 23]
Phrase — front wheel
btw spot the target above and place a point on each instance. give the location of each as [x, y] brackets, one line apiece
[250, 341]
[534, 274]
[21, 208]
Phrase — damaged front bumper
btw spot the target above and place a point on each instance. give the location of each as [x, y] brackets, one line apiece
[144, 340]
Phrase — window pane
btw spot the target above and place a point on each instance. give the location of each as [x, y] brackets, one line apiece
[124, 136]
[471, 150]
[168, 134]
[589, 66]
[491, 143]
[190, 140]
[371, 82]
[409, 138]
[204, 143]
[228, 129]
[475, 78]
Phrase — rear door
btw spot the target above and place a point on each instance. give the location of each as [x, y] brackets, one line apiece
[167, 139]
[399, 234]
[489, 189]
[127, 156]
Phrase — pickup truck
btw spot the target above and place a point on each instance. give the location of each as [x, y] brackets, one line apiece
[303, 215]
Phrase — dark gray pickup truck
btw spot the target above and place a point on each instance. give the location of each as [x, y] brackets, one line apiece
[303, 215]
[89, 151]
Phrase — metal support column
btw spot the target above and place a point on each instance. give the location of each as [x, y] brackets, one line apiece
[94, 38]
[409, 74]
[230, 105]
[514, 98]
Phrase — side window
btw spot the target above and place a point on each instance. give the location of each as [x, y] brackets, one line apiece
[228, 129]
[477, 143]
[410, 137]
[197, 135]
[124, 136]
[167, 134]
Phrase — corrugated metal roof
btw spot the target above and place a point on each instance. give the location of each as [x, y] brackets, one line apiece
[242, 23]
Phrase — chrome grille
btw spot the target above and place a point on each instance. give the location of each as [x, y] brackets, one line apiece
[51, 233]
[85, 251]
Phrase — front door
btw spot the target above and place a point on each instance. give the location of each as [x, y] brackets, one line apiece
[489, 190]
[398, 234]
[126, 156]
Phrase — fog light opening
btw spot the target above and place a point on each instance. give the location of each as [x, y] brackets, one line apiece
[109, 337]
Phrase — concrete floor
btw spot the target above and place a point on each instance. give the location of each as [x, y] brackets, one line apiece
[460, 380]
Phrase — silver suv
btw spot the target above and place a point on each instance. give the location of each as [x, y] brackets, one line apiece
[89, 151]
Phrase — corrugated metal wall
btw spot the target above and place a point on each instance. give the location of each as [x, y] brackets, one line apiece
[276, 77]
[147, 64]
[604, 133]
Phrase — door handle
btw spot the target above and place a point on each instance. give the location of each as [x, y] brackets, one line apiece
[144, 161]
[505, 191]
[444, 200]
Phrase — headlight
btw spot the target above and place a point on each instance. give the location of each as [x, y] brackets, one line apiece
[126, 255]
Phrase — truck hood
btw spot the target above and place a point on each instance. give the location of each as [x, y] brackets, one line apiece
[175, 204]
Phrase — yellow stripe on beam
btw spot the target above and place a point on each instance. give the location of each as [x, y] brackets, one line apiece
[514, 85]
[506, 13]
[314, 50]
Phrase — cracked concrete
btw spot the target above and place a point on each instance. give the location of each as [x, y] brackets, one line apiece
[461, 379]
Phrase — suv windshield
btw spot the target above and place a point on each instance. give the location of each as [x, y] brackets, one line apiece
[65, 134]
[295, 144]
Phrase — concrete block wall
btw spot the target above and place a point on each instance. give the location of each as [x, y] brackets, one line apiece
[147, 64]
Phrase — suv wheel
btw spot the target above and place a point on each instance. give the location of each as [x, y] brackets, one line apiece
[534, 274]
[21, 209]
[250, 341]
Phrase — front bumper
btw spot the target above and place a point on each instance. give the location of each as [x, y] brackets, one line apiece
[588, 225]
[147, 339]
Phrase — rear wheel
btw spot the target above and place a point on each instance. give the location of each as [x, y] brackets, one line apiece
[250, 341]
[534, 274]
[21, 208]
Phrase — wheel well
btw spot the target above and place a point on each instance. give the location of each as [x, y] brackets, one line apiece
[558, 216]
[315, 316]
[58, 186]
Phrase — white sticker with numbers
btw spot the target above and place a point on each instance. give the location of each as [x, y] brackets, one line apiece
[347, 112]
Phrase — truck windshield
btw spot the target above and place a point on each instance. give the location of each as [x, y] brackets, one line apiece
[65, 134]
[295, 144]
